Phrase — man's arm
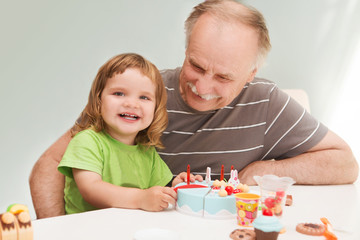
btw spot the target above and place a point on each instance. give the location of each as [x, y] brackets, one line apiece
[331, 161]
[47, 183]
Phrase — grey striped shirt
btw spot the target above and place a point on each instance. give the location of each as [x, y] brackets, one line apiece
[261, 123]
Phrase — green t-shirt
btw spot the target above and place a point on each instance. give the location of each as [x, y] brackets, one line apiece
[118, 163]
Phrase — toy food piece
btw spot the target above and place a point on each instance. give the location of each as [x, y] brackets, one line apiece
[8, 226]
[229, 189]
[328, 233]
[243, 234]
[243, 187]
[25, 230]
[267, 227]
[275, 203]
[22, 222]
[312, 229]
[17, 208]
[217, 183]
[223, 193]
[288, 201]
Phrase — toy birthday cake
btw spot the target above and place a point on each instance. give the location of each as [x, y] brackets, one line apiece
[210, 199]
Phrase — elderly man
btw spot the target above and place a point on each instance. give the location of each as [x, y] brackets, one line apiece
[221, 114]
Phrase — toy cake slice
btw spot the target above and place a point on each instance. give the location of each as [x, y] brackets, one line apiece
[191, 200]
[25, 230]
[219, 207]
[8, 225]
[204, 202]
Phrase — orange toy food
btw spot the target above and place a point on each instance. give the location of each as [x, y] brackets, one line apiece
[329, 234]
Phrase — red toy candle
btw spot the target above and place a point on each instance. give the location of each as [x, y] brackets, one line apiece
[222, 173]
[188, 174]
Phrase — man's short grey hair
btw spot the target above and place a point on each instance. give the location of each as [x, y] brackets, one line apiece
[232, 11]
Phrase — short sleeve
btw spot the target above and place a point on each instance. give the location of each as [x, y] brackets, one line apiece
[161, 174]
[83, 152]
[290, 130]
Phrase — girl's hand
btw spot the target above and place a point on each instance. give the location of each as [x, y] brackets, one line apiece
[182, 177]
[158, 198]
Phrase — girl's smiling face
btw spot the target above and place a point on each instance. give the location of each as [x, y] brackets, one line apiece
[128, 104]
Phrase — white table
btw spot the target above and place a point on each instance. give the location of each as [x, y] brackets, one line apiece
[340, 204]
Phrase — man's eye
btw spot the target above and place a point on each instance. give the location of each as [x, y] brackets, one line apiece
[223, 79]
[119, 94]
[197, 68]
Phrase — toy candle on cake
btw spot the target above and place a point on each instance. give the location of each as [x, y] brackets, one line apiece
[232, 186]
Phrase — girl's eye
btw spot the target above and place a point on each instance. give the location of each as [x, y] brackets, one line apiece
[119, 94]
[144, 98]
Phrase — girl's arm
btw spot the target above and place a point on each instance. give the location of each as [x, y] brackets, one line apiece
[101, 194]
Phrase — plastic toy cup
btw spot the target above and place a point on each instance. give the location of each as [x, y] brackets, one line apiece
[273, 192]
[246, 208]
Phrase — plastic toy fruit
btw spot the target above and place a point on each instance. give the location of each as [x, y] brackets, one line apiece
[269, 202]
[229, 190]
[237, 191]
[267, 212]
[17, 208]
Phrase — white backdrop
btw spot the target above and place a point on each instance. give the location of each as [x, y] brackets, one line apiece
[50, 52]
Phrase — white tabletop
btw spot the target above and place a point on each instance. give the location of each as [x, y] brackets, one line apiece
[340, 204]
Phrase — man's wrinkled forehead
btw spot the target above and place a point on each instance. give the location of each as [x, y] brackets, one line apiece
[204, 66]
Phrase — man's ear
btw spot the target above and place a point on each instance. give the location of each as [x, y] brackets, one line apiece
[252, 75]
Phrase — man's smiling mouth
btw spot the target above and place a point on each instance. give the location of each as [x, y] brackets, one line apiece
[203, 96]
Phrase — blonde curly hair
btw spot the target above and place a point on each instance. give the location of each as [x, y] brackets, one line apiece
[91, 115]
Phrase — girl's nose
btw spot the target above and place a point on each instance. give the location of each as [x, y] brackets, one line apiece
[131, 103]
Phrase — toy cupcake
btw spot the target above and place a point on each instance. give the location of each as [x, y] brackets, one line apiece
[267, 227]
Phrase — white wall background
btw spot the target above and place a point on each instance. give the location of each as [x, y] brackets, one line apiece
[50, 52]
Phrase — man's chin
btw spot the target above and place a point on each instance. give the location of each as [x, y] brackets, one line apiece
[203, 105]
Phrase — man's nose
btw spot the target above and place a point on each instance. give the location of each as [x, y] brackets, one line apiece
[204, 84]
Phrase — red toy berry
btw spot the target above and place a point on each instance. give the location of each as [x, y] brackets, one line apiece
[237, 191]
[280, 194]
[267, 212]
[229, 190]
[269, 202]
